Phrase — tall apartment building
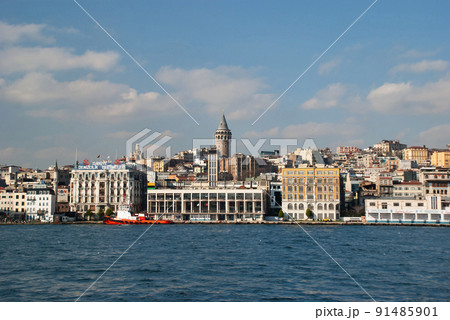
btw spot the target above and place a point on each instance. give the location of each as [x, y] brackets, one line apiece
[41, 203]
[317, 189]
[213, 167]
[103, 185]
[420, 154]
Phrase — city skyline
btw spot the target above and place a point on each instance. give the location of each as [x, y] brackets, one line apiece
[66, 86]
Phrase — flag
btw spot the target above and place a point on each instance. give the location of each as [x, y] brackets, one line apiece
[98, 156]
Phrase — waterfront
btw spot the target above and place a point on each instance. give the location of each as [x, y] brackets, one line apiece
[223, 263]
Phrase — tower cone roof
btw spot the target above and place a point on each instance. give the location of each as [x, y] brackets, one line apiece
[223, 123]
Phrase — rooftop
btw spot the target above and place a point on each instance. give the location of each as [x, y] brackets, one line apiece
[223, 123]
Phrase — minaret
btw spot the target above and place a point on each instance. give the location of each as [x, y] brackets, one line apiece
[223, 137]
[56, 178]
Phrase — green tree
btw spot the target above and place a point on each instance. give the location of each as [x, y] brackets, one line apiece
[309, 213]
[88, 214]
[100, 214]
[280, 214]
[108, 212]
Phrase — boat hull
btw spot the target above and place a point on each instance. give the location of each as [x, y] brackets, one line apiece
[128, 221]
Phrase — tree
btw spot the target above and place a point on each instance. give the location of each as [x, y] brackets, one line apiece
[100, 214]
[280, 214]
[309, 213]
[88, 214]
[108, 212]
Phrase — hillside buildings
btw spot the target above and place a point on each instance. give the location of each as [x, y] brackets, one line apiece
[213, 183]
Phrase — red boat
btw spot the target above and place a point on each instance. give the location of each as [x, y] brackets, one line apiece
[109, 220]
[124, 216]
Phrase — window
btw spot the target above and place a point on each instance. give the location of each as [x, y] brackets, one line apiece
[396, 204]
[408, 204]
[384, 205]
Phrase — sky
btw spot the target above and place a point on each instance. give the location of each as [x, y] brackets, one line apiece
[68, 90]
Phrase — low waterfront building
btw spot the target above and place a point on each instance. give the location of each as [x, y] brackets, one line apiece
[207, 204]
[6, 201]
[432, 209]
[317, 189]
[13, 201]
[103, 185]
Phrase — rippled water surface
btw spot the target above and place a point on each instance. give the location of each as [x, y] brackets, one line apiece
[224, 263]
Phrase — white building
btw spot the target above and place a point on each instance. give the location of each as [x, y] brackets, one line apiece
[41, 203]
[208, 204]
[407, 210]
[13, 201]
[410, 189]
[104, 185]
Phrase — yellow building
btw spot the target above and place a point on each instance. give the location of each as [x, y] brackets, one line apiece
[317, 189]
[420, 154]
[160, 165]
[441, 159]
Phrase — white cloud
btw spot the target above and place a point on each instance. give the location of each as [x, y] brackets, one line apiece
[346, 129]
[416, 54]
[421, 67]
[329, 66]
[437, 136]
[102, 101]
[10, 154]
[121, 135]
[431, 98]
[52, 153]
[231, 88]
[10, 34]
[326, 98]
[270, 133]
[17, 59]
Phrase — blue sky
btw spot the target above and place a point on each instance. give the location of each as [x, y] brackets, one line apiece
[65, 85]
